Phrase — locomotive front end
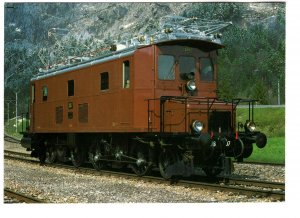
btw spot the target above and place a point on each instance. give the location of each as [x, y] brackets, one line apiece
[196, 129]
[203, 132]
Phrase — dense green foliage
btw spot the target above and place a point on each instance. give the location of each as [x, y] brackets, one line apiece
[253, 63]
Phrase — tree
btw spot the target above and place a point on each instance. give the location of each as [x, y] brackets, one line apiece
[260, 92]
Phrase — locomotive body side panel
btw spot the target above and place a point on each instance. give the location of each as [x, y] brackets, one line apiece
[113, 104]
[78, 101]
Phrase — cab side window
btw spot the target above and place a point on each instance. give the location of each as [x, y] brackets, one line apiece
[104, 81]
[45, 93]
[32, 94]
[70, 87]
[126, 74]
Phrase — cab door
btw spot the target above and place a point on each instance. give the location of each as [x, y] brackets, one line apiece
[125, 96]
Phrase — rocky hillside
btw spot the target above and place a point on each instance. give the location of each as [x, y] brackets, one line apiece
[40, 34]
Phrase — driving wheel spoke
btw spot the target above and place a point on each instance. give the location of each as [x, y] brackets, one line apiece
[142, 166]
[51, 154]
[95, 156]
[167, 159]
[77, 156]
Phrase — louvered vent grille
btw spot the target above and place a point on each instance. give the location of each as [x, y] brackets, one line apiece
[83, 115]
[59, 114]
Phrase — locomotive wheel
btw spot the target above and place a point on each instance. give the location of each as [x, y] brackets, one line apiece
[166, 159]
[51, 154]
[77, 157]
[42, 157]
[141, 168]
[42, 154]
[238, 148]
[94, 156]
[248, 150]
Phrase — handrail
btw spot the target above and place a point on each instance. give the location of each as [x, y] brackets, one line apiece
[187, 100]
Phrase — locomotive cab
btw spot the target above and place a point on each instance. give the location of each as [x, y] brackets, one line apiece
[186, 68]
[190, 113]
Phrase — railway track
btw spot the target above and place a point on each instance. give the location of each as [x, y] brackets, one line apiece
[11, 139]
[9, 153]
[260, 163]
[247, 187]
[20, 197]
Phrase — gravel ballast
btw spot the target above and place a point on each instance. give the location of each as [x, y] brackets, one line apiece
[75, 186]
[71, 186]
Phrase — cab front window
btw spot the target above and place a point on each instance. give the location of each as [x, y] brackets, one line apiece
[166, 67]
[187, 67]
[206, 70]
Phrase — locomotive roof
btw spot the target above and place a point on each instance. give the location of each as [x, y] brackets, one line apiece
[84, 64]
[204, 45]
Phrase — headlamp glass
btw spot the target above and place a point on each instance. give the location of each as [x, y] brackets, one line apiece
[197, 126]
[191, 85]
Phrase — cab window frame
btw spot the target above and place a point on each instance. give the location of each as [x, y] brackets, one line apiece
[126, 74]
[71, 88]
[104, 81]
[32, 93]
[45, 93]
[184, 75]
[171, 74]
[205, 77]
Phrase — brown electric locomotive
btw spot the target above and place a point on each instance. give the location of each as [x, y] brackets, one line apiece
[147, 106]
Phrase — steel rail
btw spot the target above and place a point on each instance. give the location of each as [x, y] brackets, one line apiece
[228, 186]
[280, 195]
[225, 184]
[11, 139]
[16, 153]
[248, 182]
[260, 163]
[22, 197]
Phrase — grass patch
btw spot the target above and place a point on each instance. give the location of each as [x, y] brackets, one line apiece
[10, 128]
[274, 152]
[270, 121]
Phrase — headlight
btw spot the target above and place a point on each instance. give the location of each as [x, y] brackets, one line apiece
[197, 126]
[250, 126]
[191, 85]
